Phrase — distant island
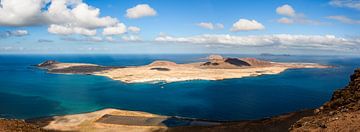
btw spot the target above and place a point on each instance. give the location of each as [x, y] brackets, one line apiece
[270, 54]
[215, 68]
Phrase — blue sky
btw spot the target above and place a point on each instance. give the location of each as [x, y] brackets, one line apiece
[182, 26]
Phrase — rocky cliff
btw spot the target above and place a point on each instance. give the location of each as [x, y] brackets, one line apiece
[341, 113]
[13, 125]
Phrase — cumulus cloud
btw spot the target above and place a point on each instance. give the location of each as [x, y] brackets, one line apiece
[354, 4]
[134, 29]
[15, 33]
[86, 39]
[141, 10]
[68, 30]
[292, 17]
[131, 38]
[63, 16]
[344, 19]
[115, 30]
[209, 25]
[285, 20]
[328, 42]
[81, 15]
[286, 10]
[246, 25]
[20, 12]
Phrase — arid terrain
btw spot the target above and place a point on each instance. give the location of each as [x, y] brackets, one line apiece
[216, 68]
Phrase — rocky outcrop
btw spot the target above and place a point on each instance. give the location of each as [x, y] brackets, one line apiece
[47, 63]
[347, 99]
[237, 62]
[14, 125]
[341, 113]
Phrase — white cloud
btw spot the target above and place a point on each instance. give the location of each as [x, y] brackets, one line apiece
[82, 15]
[285, 20]
[134, 29]
[62, 16]
[246, 25]
[89, 39]
[131, 38]
[344, 19]
[328, 42]
[286, 10]
[354, 4]
[209, 25]
[19, 33]
[292, 17]
[20, 12]
[141, 10]
[15, 33]
[120, 28]
[68, 30]
[206, 25]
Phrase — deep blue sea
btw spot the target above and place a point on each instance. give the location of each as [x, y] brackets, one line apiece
[28, 92]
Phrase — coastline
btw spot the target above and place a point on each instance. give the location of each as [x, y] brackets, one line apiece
[108, 120]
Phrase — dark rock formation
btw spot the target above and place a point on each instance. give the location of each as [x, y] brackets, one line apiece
[13, 125]
[47, 63]
[82, 69]
[160, 69]
[210, 63]
[236, 62]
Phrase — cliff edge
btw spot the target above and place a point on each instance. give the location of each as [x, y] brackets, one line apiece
[341, 113]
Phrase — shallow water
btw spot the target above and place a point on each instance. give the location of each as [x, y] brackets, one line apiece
[27, 92]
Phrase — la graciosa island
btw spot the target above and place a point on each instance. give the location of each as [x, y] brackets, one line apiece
[215, 68]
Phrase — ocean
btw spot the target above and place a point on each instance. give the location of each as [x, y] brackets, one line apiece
[28, 92]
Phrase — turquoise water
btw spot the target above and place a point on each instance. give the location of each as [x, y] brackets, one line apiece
[27, 92]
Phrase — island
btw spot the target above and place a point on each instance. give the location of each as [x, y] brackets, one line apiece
[215, 68]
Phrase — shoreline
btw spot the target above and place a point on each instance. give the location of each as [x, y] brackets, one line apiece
[109, 119]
